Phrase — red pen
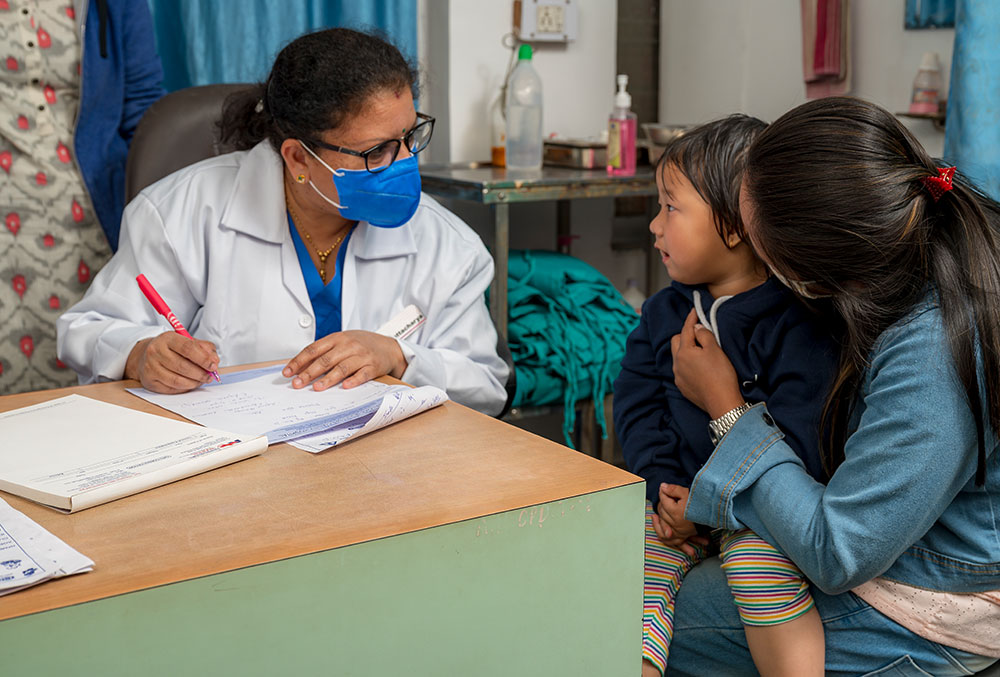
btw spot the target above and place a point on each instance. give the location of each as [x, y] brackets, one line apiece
[163, 309]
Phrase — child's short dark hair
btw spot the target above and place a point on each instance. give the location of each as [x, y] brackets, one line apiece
[712, 156]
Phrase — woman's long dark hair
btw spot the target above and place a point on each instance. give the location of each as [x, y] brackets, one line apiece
[836, 193]
[316, 82]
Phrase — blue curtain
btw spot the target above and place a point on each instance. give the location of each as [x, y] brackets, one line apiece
[213, 41]
[972, 136]
[930, 13]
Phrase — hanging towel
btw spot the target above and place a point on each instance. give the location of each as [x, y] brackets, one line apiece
[826, 47]
[567, 329]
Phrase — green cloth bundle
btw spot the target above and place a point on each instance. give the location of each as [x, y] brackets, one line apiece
[567, 329]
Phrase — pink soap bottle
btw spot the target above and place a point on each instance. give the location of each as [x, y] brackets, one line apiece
[621, 133]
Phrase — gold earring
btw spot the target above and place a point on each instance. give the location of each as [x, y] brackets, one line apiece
[301, 178]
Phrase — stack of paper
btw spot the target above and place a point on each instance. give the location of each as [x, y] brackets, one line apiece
[263, 402]
[73, 452]
[29, 554]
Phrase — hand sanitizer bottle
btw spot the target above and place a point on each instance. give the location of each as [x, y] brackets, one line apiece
[621, 133]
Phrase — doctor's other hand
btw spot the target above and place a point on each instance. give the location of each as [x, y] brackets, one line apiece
[702, 372]
[171, 363]
[352, 357]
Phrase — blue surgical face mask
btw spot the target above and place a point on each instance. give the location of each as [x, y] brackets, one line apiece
[387, 199]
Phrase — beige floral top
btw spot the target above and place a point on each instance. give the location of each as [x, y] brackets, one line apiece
[51, 243]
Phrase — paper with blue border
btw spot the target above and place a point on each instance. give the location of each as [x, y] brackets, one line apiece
[263, 402]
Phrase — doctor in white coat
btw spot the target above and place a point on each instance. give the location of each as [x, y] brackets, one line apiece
[302, 245]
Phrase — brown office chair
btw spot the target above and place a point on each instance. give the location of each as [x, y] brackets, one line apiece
[176, 131]
[180, 129]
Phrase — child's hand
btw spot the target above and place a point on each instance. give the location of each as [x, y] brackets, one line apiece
[669, 522]
[702, 372]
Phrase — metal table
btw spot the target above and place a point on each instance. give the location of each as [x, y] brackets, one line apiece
[498, 188]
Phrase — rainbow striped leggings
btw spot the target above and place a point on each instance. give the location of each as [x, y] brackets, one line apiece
[767, 588]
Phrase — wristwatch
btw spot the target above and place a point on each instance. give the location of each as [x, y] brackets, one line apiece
[718, 428]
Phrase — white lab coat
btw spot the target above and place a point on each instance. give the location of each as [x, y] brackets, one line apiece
[214, 240]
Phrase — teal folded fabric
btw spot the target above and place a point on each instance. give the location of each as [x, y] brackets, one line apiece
[567, 329]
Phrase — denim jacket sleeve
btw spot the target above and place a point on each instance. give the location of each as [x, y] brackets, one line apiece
[912, 451]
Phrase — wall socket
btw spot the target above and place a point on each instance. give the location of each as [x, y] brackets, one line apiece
[546, 20]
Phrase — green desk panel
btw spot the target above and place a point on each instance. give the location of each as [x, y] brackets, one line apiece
[554, 589]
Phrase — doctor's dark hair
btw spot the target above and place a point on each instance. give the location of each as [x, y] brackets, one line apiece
[317, 81]
[835, 195]
[712, 156]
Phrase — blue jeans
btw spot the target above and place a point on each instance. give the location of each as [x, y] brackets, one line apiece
[709, 638]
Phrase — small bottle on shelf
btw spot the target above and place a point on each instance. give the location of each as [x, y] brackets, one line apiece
[621, 133]
[927, 86]
[633, 296]
[524, 115]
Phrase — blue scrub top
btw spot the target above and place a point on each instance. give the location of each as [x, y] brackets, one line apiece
[326, 299]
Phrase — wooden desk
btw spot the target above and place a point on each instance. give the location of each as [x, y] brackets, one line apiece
[448, 544]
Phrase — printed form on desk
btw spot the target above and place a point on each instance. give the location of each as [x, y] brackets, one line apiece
[75, 452]
[29, 554]
[263, 402]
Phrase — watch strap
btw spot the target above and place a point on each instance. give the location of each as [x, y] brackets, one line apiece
[717, 428]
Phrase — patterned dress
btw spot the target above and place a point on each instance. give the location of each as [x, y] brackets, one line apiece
[51, 243]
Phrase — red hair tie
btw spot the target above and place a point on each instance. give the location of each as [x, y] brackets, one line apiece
[940, 184]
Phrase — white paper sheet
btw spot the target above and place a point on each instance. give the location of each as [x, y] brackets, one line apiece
[263, 402]
[29, 554]
[75, 452]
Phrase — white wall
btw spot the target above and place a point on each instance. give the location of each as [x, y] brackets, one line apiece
[578, 78]
[463, 68]
[722, 56]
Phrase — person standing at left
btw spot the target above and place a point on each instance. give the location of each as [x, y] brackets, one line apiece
[75, 78]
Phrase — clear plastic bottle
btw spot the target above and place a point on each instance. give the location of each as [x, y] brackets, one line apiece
[524, 114]
[621, 133]
[928, 87]
[633, 296]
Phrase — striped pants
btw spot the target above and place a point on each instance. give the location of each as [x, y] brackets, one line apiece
[766, 586]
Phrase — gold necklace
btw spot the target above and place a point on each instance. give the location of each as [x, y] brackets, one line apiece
[297, 220]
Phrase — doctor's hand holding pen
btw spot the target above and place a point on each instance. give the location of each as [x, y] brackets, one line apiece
[171, 363]
[349, 357]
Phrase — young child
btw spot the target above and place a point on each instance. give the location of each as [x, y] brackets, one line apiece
[780, 355]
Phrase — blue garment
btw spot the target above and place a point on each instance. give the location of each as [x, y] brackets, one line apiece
[903, 504]
[781, 356]
[204, 42]
[930, 14]
[709, 638]
[326, 298]
[972, 136]
[118, 84]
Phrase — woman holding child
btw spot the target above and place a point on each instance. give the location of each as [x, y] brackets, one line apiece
[902, 544]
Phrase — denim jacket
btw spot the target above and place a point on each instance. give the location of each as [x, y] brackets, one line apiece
[903, 504]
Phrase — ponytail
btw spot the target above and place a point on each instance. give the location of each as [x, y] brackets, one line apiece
[246, 120]
[840, 195]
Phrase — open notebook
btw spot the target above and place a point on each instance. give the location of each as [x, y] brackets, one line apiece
[75, 452]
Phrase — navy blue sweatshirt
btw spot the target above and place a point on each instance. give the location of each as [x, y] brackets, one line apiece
[781, 354]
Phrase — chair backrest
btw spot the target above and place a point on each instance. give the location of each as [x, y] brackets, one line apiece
[176, 131]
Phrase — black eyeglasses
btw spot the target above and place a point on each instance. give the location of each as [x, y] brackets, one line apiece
[378, 158]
